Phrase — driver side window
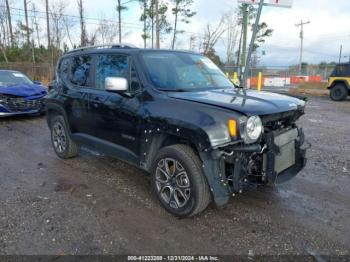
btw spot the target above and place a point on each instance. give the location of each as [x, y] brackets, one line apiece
[111, 66]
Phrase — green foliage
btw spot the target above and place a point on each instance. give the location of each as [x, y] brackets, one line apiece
[182, 13]
[24, 54]
[263, 30]
[211, 54]
[148, 16]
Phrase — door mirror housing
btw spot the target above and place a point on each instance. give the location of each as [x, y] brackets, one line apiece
[37, 82]
[116, 84]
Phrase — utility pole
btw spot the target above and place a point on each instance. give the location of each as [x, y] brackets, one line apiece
[48, 24]
[9, 19]
[252, 41]
[157, 24]
[244, 36]
[27, 23]
[301, 25]
[340, 53]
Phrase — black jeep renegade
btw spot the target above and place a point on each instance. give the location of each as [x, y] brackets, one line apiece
[177, 116]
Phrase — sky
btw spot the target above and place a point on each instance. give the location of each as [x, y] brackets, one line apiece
[328, 29]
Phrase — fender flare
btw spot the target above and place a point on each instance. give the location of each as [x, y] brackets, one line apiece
[56, 108]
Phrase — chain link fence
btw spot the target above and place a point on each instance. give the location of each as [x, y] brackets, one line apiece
[43, 72]
[282, 76]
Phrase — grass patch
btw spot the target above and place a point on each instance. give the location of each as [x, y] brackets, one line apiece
[317, 86]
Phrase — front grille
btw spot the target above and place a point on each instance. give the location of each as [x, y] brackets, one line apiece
[280, 121]
[19, 104]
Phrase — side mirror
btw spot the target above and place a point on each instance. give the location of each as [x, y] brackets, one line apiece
[37, 83]
[116, 84]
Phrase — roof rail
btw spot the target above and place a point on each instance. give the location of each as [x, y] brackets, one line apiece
[117, 45]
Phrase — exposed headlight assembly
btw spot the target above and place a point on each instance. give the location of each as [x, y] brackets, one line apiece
[253, 130]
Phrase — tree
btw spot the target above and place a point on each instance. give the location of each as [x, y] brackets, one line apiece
[68, 25]
[106, 31]
[231, 24]
[143, 18]
[9, 22]
[263, 33]
[211, 54]
[120, 8]
[211, 36]
[83, 34]
[35, 23]
[27, 22]
[182, 14]
[148, 17]
[263, 30]
[48, 23]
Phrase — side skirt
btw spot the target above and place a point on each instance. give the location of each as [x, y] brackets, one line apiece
[107, 148]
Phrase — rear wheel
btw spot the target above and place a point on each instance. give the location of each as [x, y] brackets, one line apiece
[339, 92]
[178, 181]
[62, 143]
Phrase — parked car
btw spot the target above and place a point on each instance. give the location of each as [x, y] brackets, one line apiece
[339, 82]
[19, 95]
[177, 116]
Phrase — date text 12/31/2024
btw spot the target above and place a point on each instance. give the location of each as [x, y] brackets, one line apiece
[173, 258]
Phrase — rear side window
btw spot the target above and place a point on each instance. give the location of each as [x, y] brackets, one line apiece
[80, 70]
[64, 69]
[109, 66]
[342, 71]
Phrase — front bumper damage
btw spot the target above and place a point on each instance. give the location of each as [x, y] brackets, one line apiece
[236, 168]
[14, 106]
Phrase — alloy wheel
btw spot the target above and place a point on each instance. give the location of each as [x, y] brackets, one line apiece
[172, 183]
[59, 137]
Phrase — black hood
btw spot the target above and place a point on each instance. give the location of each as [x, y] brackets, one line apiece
[248, 102]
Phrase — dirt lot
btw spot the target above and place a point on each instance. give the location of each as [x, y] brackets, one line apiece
[95, 204]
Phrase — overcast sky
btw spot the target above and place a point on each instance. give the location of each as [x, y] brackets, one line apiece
[329, 27]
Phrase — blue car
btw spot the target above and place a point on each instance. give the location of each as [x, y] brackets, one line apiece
[19, 95]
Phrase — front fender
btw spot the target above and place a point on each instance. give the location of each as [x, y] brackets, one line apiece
[203, 127]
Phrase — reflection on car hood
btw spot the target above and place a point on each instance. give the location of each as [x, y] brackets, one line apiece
[23, 90]
[248, 102]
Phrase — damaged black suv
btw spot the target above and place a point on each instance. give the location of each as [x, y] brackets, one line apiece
[177, 116]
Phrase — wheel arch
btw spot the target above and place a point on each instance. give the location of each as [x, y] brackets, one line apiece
[340, 82]
[52, 110]
[153, 141]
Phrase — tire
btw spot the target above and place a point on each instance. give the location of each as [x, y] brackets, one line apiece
[61, 141]
[178, 181]
[339, 92]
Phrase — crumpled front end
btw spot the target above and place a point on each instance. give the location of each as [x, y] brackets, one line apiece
[16, 105]
[277, 157]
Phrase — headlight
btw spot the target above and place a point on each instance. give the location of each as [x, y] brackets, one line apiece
[253, 129]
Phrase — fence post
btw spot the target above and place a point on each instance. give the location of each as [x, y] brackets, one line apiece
[235, 77]
[259, 81]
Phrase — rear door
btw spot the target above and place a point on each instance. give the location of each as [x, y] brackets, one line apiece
[76, 73]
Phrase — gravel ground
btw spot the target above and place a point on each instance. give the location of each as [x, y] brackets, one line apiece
[95, 204]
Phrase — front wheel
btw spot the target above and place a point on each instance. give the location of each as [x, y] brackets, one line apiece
[339, 92]
[178, 181]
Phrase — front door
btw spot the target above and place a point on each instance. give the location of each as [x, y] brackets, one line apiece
[116, 117]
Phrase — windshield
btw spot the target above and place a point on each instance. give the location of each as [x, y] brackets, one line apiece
[176, 71]
[8, 78]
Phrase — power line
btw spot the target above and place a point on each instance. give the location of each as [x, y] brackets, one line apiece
[70, 16]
